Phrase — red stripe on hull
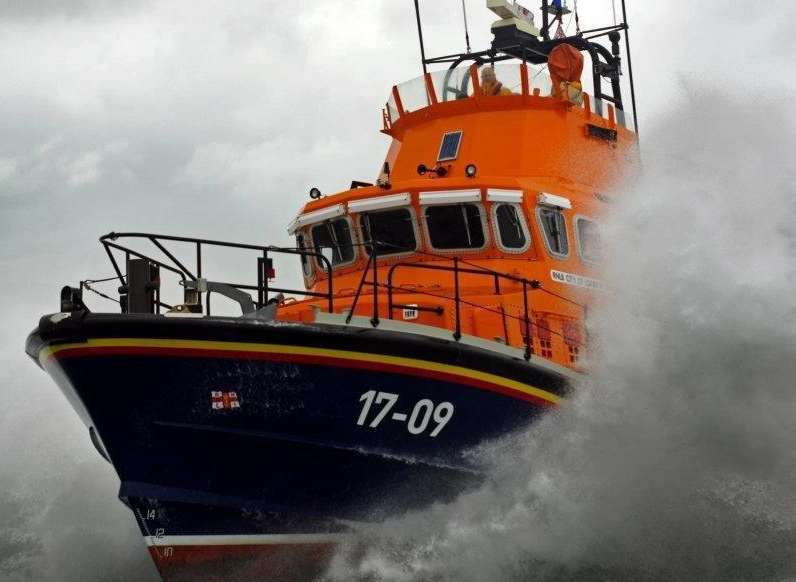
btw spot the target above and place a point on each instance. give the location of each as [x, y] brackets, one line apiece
[312, 360]
[268, 562]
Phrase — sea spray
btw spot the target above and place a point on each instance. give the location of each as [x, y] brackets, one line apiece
[676, 458]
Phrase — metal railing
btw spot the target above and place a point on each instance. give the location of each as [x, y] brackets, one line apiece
[264, 262]
[456, 270]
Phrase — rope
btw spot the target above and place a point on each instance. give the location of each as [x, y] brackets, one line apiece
[114, 278]
[86, 285]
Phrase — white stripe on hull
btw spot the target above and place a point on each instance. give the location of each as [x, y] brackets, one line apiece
[242, 540]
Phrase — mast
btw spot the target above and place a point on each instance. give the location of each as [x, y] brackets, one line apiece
[420, 35]
[630, 68]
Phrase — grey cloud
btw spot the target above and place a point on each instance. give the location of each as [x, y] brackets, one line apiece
[36, 10]
[195, 118]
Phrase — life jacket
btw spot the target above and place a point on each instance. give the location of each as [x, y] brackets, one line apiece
[495, 88]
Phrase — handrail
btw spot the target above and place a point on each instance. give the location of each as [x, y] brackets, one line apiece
[456, 270]
[263, 287]
[177, 267]
[528, 284]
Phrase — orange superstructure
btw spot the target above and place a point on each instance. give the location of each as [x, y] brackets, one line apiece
[491, 200]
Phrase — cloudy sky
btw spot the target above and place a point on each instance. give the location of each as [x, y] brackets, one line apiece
[214, 119]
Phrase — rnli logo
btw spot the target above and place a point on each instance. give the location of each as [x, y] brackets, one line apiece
[224, 400]
[575, 280]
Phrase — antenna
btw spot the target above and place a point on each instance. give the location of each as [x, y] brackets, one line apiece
[420, 35]
[466, 32]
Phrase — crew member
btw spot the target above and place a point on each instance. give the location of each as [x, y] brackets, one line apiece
[489, 83]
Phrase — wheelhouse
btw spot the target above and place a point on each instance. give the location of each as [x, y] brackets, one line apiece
[488, 223]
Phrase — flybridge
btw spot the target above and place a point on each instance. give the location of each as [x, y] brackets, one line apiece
[516, 36]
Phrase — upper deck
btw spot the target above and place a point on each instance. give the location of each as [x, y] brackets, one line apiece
[435, 93]
[521, 137]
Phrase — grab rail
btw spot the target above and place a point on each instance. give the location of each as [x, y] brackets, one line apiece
[457, 300]
[177, 267]
[264, 289]
[456, 269]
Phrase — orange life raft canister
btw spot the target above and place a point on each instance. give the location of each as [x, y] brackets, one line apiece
[565, 64]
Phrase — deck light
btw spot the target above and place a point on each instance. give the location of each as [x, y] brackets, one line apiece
[440, 171]
[315, 193]
[470, 170]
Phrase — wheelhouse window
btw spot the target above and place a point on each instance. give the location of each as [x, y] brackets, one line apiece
[334, 235]
[555, 231]
[392, 231]
[589, 239]
[512, 230]
[306, 264]
[455, 226]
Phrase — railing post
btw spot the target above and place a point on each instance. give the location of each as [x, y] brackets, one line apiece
[199, 260]
[473, 71]
[528, 335]
[389, 291]
[526, 86]
[374, 252]
[398, 102]
[265, 277]
[457, 335]
[260, 267]
[330, 285]
[362, 280]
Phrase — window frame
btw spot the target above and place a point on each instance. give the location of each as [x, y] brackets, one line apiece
[526, 229]
[415, 230]
[354, 243]
[484, 227]
[311, 259]
[581, 255]
[543, 232]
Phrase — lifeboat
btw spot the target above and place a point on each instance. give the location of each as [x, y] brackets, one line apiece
[443, 306]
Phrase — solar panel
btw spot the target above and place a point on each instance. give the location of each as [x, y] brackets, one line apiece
[449, 149]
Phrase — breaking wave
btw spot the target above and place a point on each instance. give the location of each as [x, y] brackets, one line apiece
[676, 460]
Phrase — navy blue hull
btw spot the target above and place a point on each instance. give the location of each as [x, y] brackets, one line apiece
[268, 432]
